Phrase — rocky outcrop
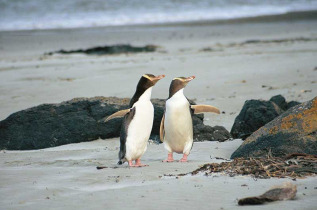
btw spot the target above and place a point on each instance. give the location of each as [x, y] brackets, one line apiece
[50, 125]
[256, 113]
[294, 131]
[79, 120]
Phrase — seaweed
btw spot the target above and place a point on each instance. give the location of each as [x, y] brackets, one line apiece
[296, 165]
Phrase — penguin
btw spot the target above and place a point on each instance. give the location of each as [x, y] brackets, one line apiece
[137, 123]
[176, 129]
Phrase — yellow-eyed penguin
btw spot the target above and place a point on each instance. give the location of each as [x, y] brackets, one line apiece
[137, 123]
[176, 130]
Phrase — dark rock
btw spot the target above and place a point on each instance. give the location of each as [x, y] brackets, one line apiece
[291, 104]
[254, 114]
[50, 125]
[294, 131]
[221, 134]
[259, 41]
[207, 49]
[109, 50]
[77, 120]
[159, 108]
[202, 132]
[205, 132]
[280, 101]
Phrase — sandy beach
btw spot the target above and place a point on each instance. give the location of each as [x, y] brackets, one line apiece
[232, 61]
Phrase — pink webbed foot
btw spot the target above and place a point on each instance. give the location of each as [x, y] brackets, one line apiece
[131, 164]
[169, 158]
[139, 164]
[184, 158]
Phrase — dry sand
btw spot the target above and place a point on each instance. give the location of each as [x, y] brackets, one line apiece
[66, 177]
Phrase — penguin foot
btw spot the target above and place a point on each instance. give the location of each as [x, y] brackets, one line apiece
[131, 164]
[137, 163]
[142, 165]
[184, 158]
[169, 158]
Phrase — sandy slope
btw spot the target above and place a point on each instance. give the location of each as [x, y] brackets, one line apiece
[66, 177]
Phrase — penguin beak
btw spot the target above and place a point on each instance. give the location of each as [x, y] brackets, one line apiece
[158, 77]
[188, 79]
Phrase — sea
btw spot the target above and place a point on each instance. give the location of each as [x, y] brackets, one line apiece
[57, 14]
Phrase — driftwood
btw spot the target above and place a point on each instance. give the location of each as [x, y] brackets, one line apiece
[292, 165]
[286, 191]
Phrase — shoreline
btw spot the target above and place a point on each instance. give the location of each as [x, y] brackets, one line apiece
[284, 17]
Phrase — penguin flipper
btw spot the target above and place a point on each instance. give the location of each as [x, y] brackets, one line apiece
[124, 135]
[118, 114]
[162, 128]
[197, 109]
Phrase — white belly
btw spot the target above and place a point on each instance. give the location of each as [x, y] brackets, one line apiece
[139, 130]
[178, 125]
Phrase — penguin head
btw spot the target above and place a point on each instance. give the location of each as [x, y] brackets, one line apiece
[148, 80]
[179, 83]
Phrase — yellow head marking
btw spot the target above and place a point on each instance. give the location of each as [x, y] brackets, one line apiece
[181, 79]
[146, 76]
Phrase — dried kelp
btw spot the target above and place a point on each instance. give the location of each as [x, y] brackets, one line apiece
[293, 166]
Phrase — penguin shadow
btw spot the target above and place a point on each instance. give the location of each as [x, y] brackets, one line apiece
[149, 161]
[175, 161]
[105, 167]
[125, 166]
[115, 166]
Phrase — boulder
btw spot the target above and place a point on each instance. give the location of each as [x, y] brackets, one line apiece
[77, 120]
[292, 103]
[280, 101]
[256, 113]
[294, 131]
[205, 132]
[50, 125]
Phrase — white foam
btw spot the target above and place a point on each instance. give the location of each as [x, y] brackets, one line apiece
[16, 15]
